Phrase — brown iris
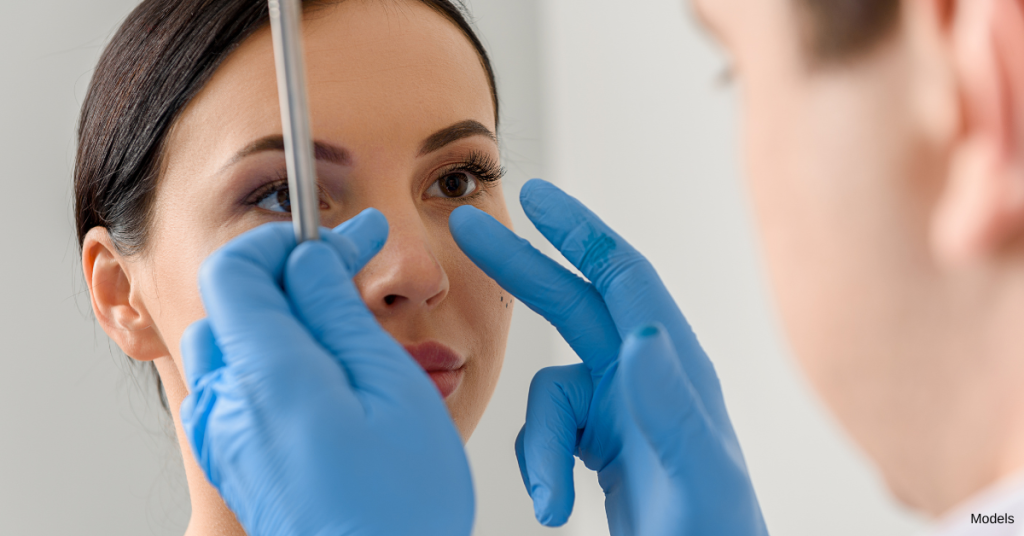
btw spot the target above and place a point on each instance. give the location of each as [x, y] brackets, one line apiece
[453, 184]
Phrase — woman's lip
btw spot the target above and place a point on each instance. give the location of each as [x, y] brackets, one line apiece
[434, 356]
[446, 381]
[442, 364]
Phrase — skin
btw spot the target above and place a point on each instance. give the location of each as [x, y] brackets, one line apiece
[888, 191]
[383, 77]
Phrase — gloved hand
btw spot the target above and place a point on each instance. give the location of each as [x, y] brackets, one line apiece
[303, 412]
[644, 409]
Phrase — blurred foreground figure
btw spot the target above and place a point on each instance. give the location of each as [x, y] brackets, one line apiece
[885, 152]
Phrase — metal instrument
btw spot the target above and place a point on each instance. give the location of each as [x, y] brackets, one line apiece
[286, 28]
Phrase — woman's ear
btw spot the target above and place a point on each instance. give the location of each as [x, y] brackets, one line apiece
[981, 205]
[117, 304]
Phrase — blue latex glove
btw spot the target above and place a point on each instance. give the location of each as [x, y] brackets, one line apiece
[303, 412]
[644, 409]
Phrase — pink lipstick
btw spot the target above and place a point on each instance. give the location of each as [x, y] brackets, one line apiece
[442, 364]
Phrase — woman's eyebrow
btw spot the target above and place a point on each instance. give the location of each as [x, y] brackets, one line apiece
[321, 151]
[453, 133]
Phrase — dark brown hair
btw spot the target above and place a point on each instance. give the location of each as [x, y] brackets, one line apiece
[159, 59]
[840, 30]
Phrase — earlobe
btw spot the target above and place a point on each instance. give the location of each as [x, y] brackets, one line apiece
[118, 309]
[981, 206]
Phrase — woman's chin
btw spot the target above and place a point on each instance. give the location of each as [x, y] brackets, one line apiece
[464, 414]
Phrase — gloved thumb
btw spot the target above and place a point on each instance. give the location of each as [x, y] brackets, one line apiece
[556, 411]
[664, 404]
[359, 239]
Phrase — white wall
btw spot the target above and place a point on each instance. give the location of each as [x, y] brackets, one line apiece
[82, 450]
[615, 101]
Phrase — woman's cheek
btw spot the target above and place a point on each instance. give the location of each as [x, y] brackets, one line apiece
[173, 262]
[485, 311]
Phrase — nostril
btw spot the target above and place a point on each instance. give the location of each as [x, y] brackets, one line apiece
[390, 299]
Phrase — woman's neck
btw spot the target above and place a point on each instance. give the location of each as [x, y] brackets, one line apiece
[210, 515]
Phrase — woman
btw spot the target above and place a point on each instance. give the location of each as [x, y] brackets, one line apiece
[180, 150]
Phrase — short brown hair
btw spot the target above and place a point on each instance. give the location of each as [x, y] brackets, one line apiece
[840, 30]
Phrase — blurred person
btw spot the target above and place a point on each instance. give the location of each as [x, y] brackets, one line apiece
[885, 154]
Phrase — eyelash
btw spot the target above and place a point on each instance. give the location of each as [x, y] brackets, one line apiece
[480, 165]
[274, 186]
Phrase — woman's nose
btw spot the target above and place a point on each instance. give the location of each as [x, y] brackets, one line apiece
[406, 275]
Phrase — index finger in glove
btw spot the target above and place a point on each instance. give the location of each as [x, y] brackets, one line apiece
[625, 279]
[241, 288]
[359, 239]
[571, 304]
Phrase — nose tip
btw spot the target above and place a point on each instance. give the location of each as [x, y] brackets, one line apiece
[405, 276]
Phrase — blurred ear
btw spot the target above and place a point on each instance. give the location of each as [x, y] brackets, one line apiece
[981, 206]
[116, 303]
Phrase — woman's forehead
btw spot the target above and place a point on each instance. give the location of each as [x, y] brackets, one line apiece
[377, 72]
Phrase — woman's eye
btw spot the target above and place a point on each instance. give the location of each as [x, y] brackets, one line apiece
[276, 200]
[453, 185]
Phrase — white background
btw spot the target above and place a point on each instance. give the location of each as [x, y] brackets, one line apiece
[615, 101]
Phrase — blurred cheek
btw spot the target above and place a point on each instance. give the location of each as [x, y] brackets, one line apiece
[807, 209]
[842, 230]
[793, 187]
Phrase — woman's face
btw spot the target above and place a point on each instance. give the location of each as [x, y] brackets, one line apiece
[403, 118]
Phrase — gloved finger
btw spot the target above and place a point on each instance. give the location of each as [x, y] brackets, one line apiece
[632, 290]
[666, 407]
[571, 304]
[202, 360]
[556, 411]
[240, 284]
[366, 234]
[625, 279]
[199, 352]
[521, 459]
[327, 301]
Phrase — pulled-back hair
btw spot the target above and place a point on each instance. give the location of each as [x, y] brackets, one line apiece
[839, 30]
[160, 58]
